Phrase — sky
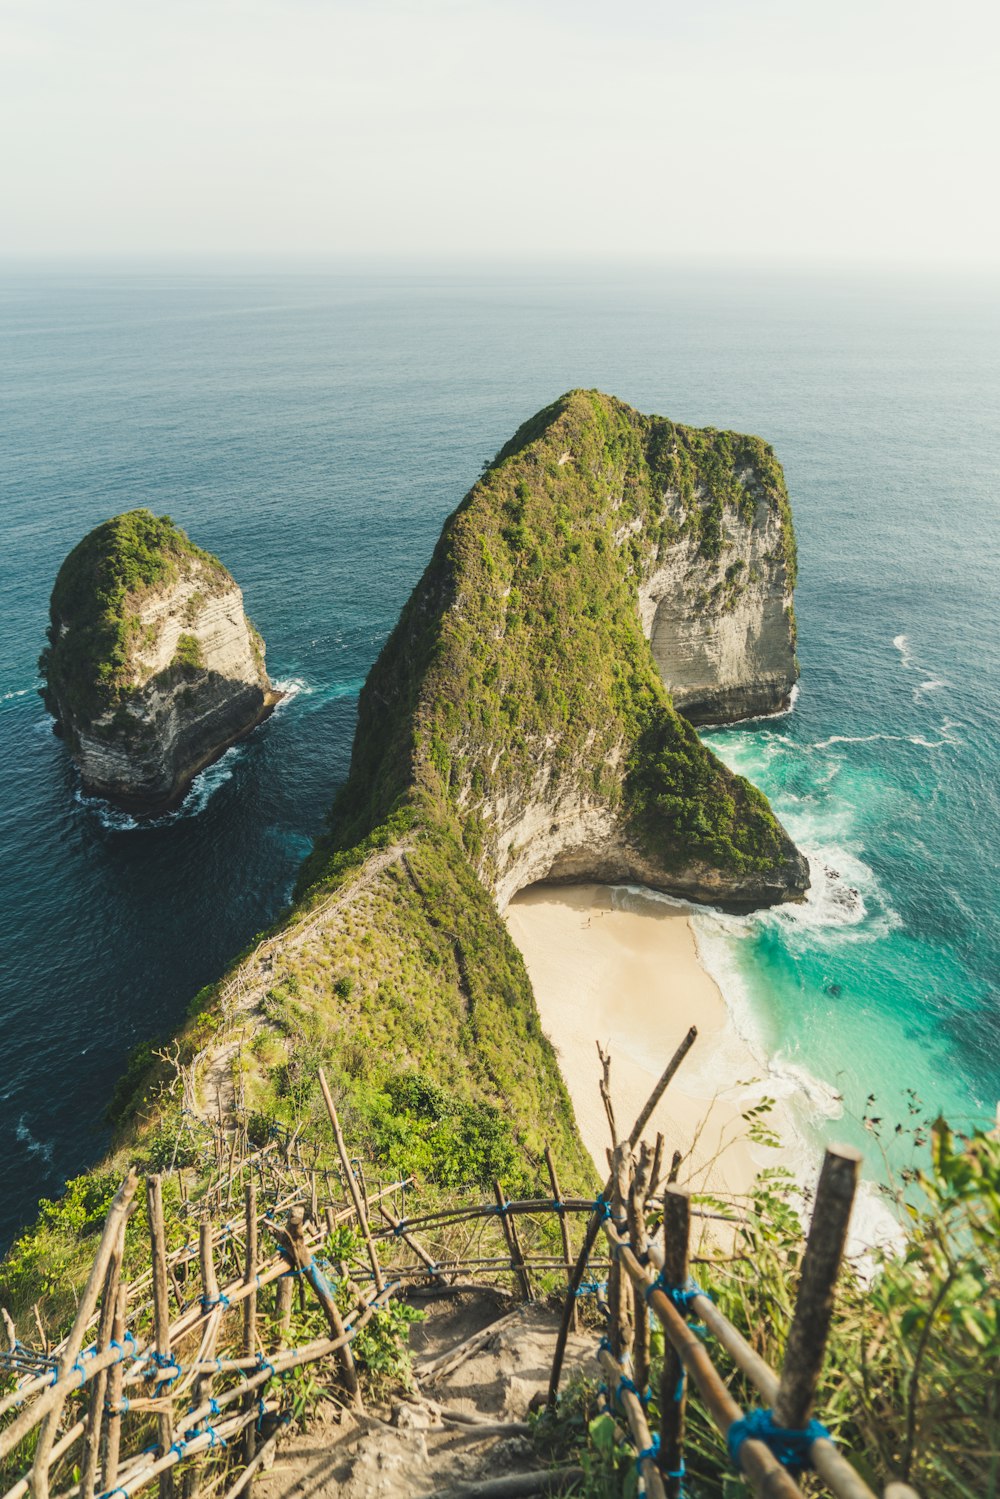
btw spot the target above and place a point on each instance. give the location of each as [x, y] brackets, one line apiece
[748, 131]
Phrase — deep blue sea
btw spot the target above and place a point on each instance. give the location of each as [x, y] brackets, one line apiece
[314, 430]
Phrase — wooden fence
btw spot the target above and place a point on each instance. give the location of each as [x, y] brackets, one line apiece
[184, 1364]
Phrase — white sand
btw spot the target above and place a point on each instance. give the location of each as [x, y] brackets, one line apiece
[621, 968]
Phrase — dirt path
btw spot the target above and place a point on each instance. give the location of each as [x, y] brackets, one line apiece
[412, 1447]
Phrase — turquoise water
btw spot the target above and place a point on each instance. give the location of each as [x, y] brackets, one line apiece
[314, 431]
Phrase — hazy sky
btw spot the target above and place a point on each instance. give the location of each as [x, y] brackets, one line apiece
[818, 130]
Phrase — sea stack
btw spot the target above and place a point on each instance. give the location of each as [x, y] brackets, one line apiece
[152, 668]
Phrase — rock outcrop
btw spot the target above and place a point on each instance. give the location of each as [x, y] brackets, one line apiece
[604, 562]
[152, 668]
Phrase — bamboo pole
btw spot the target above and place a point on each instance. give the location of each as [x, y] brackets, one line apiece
[359, 1206]
[513, 1239]
[302, 1259]
[673, 1396]
[806, 1346]
[412, 1243]
[638, 1425]
[563, 1227]
[759, 1464]
[161, 1313]
[95, 1410]
[113, 1430]
[636, 1218]
[594, 1226]
[250, 1304]
[212, 1305]
[71, 1352]
[619, 1291]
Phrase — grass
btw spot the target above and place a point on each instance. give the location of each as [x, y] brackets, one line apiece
[96, 632]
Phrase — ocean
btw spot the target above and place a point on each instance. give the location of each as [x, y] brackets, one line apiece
[314, 429]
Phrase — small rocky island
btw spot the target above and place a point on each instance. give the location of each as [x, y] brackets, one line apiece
[152, 668]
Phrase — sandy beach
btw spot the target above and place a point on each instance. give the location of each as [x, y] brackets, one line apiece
[621, 968]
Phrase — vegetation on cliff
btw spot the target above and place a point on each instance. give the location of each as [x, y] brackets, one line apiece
[96, 630]
[521, 649]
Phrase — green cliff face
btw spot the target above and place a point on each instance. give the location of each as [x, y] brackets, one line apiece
[96, 631]
[152, 668]
[517, 702]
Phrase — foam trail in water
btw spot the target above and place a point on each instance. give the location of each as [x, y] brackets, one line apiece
[202, 789]
[31, 1142]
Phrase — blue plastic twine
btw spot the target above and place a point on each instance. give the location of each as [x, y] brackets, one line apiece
[790, 1445]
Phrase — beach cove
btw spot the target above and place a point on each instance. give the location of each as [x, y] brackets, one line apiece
[618, 967]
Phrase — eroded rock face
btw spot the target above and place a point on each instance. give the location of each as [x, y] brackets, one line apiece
[153, 669]
[722, 631]
[609, 578]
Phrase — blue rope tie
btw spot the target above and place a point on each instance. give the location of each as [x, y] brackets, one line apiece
[625, 1383]
[501, 1208]
[108, 1494]
[680, 1297]
[603, 1207]
[318, 1280]
[121, 1346]
[179, 1447]
[207, 1302]
[163, 1362]
[652, 1451]
[557, 1206]
[78, 1366]
[265, 1363]
[122, 1408]
[790, 1445]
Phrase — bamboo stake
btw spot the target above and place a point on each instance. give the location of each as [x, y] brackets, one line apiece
[619, 1291]
[594, 1225]
[112, 1440]
[810, 1327]
[88, 1301]
[250, 1304]
[359, 1206]
[303, 1260]
[211, 1303]
[638, 1425]
[757, 1461]
[563, 1228]
[161, 1313]
[636, 1218]
[513, 1239]
[673, 1396]
[95, 1411]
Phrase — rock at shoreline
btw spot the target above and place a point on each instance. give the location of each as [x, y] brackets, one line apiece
[152, 668]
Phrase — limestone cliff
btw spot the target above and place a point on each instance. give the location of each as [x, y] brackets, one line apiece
[721, 626]
[152, 667]
[519, 697]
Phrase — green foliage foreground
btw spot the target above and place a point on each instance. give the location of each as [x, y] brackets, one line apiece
[911, 1385]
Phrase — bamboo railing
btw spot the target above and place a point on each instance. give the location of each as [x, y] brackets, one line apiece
[185, 1361]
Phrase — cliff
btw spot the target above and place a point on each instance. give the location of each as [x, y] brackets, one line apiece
[605, 562]
[152, 667]
[514, 728]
